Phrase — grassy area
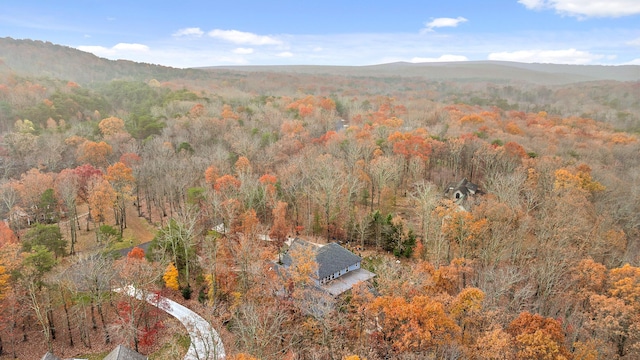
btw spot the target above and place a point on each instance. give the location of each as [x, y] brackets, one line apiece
[97, 356]
[175, 348]
[372, 262]
[138, 231]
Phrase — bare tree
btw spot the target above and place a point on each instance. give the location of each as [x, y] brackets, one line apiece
[94, 275]
[384, 171]
[426, 197]
[327, 186]
[67, 186]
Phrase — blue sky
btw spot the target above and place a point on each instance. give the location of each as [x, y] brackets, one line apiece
[192, 33]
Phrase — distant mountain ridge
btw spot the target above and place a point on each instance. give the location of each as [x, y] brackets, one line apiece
[44, 59]
[497, 71]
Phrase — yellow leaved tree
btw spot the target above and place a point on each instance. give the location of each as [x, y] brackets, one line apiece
[170, 277]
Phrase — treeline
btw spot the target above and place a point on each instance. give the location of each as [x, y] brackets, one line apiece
[542, 265]
[41, 59]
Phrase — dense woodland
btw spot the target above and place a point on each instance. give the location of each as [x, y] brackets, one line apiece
[545, 264]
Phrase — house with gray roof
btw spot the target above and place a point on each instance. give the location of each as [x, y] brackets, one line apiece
[459, 192]
[50, 356]
[122, 352]
[338, 268]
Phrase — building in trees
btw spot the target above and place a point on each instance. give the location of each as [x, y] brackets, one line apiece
[337, 270]
[461, 191]
[50, 356]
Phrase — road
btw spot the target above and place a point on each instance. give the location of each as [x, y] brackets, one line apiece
[205, 341]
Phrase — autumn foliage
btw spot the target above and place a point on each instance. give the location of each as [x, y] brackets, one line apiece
[136, 253]
[537, 337]
[94, 153]
[418, 325]
[170, 277]
[537, 260]
[7, 236]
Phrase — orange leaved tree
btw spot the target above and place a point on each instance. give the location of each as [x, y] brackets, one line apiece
[537, 337]
[419, 325]
[120, 176]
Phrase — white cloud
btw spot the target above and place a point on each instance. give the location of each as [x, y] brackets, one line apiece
[573, 47]
[443, 58]
[95, 49]
[193, 31]
[243, 51]
[231, 60]
[634, 62]
[569, 56]
[172, 56]
[443, 22]
[533, 4]
[130, 47]
[586, 8]
[634, 42]
[241, 37]
[121, 48]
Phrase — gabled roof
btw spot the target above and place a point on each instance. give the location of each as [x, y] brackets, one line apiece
[331, 258]
[50, 356]
[122, 352]
[464, 186]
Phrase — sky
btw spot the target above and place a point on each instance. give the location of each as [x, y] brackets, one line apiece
[191, 33]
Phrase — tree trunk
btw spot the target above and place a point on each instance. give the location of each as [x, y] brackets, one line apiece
[372, 195]
[89, 218]
[84, 331]
[41, 313]
[124, 215]
[94, 325]
[72, 226]
[66, 312]
[107, 338]
[25, 338]
[327, 214]
[138, 206]
[147, 201]
[52, 327]
[121, 220]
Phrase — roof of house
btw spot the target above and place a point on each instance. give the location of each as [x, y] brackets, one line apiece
[465, 186]
[122, 352]
[331, 258]
[50, 356]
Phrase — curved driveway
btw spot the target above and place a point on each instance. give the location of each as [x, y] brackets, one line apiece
[205, 341]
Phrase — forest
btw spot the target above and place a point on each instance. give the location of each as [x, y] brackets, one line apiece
[206, 173]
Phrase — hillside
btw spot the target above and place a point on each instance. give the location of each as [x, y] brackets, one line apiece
[472, 71]
[44, 59]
